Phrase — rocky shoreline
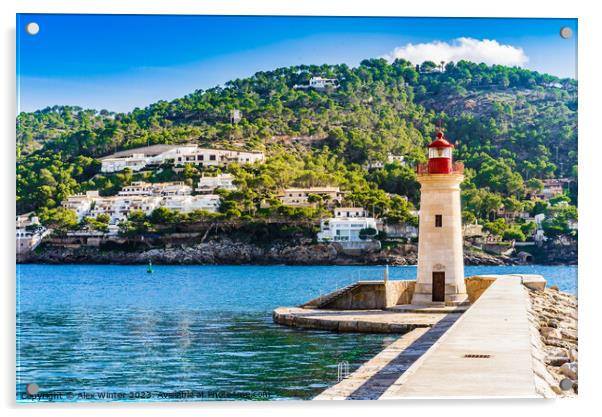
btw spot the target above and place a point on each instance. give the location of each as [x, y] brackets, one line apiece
[553, 316]
[230, 252]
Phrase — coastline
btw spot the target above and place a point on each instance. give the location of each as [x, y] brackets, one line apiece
[239, 253]
[233, 252]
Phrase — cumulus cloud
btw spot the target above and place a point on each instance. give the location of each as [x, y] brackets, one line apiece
[487, 51]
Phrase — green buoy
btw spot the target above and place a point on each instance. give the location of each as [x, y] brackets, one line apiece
[149, 270]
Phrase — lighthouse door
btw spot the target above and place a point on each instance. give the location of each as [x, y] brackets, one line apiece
[438, 286]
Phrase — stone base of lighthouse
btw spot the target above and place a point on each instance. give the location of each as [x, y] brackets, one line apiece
[440, 273]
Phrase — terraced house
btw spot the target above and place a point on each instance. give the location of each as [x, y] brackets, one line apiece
[153, 156]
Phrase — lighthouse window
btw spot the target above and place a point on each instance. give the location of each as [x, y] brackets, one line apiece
[438, 220]
[439, 153]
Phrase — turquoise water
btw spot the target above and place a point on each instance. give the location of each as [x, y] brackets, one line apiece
[104, 332]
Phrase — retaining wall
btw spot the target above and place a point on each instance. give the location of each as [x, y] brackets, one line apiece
[378, 295]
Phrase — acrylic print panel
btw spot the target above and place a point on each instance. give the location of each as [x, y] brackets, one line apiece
[326, 208]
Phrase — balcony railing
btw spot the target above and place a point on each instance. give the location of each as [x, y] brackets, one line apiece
[423, 168]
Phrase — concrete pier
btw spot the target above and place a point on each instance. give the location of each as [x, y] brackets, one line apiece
[485, 350]
[486, 353]
[360, 321]
[374, 377]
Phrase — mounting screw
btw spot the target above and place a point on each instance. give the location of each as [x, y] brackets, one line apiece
[566, 32]
[32, 28]
[32, 389]
[566, 384]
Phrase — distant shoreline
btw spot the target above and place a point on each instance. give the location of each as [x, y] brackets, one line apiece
[340, 262]
[235, 252]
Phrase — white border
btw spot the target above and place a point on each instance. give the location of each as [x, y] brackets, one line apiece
[590, 290]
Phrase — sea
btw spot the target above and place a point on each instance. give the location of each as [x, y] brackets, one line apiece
[191, 333]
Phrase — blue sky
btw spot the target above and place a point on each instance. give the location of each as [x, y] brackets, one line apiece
[121, 62]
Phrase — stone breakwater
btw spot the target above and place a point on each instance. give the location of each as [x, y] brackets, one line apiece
[225, 251]
[553, 315]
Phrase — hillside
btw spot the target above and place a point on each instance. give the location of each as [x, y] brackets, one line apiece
[510, 125]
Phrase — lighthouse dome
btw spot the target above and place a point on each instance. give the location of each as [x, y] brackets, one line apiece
[440, 142]
[440, 156]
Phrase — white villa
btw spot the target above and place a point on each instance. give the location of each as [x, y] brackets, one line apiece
[319, 82]
[156, 189]
[188, 203]
[204, 157]
[210, 184]
[391, 158]
[29, 233]
[344, 229]
[299, 197]
[139, 158]
[135, 162]
[350, 212]
[346, 224]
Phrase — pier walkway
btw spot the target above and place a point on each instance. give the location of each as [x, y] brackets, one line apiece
[374, 377]
[484, 352]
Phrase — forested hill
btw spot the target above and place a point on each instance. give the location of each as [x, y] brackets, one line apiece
[510, 125]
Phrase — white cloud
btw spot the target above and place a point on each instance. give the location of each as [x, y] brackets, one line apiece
[487, 51]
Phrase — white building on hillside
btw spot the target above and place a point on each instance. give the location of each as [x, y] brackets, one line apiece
[188, 203]
[319, 82]
[350, 212]
[391, 158]
[210, 184]
[395, 158]
[156, 189]
[345, 229]
[204, 157]
[29, 233]
[135, 162]
[139, 158]
[155, 155]
[81, 203]
[137, 188]
[142, 196]
[119, 207]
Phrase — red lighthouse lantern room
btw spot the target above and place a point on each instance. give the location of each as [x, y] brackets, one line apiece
[440, 156]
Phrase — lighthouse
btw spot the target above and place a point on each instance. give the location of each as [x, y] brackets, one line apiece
[440, 275]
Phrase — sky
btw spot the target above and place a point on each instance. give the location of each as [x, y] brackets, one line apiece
[119, 62]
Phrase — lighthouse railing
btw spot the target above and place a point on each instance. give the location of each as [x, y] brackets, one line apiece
[458, 168]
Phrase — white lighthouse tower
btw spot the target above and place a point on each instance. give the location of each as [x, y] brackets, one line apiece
[440, 255]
